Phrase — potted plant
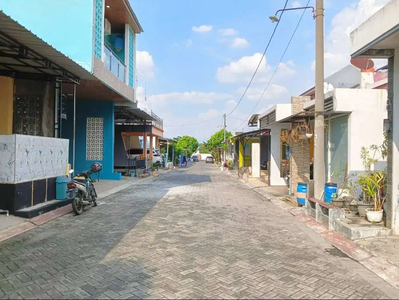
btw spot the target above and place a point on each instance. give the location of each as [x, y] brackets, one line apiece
[374, 185]
[370, 156]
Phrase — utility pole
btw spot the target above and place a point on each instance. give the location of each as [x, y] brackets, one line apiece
[318, 163]
[224, 138]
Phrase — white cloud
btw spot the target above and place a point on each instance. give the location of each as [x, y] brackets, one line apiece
[296, 4]
[190, 98]
[227, 31]
[273, 92]
[286, 69]
[337, 44]
[209, 114]
[242, 70]
[230, 104]
[239, 43]
[145, 65]
[202, 28]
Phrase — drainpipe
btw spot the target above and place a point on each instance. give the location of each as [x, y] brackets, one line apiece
[56, 109]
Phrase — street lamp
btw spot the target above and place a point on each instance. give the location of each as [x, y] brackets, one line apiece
[318, 167]
[275, 19]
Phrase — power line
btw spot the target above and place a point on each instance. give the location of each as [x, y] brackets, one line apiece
[260, 62]
[275, 70]
[250, 82]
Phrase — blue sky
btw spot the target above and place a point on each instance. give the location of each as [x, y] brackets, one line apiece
[196, 57]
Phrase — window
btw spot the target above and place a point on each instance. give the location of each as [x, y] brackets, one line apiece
[95, 139]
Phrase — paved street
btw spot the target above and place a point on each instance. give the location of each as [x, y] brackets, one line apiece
[192, 233]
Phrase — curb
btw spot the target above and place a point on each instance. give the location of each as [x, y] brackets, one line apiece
[379, 266]
[54, 214]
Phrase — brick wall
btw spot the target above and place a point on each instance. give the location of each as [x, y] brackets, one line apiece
[300, 153]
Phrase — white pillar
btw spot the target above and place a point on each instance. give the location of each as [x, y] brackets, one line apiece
[275, 157]
[394, 205]
[255, 159]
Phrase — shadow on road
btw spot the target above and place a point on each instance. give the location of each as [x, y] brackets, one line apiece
[66, 257]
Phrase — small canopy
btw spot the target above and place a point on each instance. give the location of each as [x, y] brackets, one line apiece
[252, 134]
[125, 112]
[253, 120]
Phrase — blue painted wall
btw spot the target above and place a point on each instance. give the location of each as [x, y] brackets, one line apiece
[98, 27]
[91, 109]
[66, 25]
[131, 57]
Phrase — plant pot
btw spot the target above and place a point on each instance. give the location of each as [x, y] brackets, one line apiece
[374, 216]
[344, 193]
[353, 208]
[339, 202]
[362, 208]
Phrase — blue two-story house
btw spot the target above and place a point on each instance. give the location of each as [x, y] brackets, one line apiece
[99, 35]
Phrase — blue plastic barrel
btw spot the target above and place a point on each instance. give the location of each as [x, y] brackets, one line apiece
[330, 192]
[301, 193]
[61, 188]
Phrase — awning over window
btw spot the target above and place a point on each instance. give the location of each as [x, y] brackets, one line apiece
[253, 121]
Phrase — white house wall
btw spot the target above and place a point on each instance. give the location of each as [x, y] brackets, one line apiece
[375, 26]
[255, 157]
[275, 179]
[366, 122]
[283, 111]
[395, 148]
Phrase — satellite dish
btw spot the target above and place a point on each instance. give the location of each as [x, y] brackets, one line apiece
[362, 63]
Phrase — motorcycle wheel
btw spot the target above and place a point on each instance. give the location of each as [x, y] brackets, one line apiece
[77, 204]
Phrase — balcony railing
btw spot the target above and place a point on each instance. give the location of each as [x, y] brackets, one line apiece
[114, 64]
[158, 122]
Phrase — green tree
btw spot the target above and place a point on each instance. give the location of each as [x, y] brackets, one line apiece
[203, 148]
[216, 140]
[187, 142]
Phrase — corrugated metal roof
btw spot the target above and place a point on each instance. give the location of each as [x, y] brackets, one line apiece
[21, 34]
[134, 111]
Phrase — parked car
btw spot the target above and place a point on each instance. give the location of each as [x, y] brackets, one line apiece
[195, 158]
[157, 157]
[209, 159]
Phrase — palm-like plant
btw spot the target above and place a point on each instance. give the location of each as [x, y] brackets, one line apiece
[373, 184]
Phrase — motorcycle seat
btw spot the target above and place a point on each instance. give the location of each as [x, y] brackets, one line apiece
[79, 178]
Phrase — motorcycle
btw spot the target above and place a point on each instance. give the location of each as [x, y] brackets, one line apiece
[81, 189]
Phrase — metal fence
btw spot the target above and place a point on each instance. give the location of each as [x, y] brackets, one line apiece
[158, 122]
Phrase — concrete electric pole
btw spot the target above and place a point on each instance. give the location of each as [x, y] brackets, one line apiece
[318, 163]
